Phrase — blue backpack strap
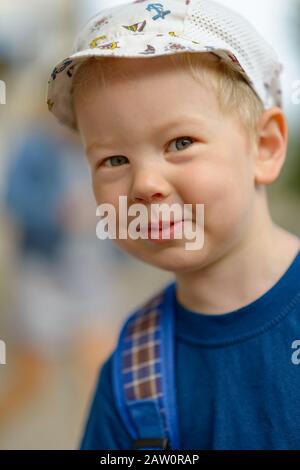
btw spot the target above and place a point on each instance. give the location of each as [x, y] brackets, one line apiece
[143, 374]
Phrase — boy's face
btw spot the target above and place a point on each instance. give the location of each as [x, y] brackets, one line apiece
[145, 115]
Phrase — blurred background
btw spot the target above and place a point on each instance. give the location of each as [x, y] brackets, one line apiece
[59, 312]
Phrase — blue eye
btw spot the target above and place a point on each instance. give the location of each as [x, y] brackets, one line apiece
[184, 139]
[117, 157]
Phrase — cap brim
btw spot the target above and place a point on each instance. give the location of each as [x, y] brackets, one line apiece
[59, 90]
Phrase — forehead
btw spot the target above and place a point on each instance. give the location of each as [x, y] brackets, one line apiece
[144, 90]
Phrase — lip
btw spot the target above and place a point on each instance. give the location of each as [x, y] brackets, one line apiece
[165, 233]
[162, 225]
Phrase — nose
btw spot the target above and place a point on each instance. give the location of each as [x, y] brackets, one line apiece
[149, 185]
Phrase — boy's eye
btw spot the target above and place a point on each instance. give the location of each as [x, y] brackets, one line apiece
[183, 139]
[117, 159]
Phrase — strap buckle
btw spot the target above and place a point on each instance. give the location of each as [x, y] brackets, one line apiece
[151, 443]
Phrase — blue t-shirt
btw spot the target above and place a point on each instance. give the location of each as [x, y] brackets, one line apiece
[237, 377]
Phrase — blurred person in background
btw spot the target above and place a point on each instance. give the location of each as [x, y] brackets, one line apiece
[54, 296]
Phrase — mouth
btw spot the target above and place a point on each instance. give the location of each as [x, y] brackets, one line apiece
[163, 232]
[161, 225]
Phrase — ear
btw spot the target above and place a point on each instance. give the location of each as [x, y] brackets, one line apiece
[271, 146]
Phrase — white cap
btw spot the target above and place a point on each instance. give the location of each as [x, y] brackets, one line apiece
[145, 29]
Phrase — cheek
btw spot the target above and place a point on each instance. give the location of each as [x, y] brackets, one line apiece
[104, 193]
[208, 182]
[225, 189]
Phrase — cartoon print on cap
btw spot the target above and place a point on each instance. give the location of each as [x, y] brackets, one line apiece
[172, 33]
[158, 7]
[235, 61]
[62, 67]
[99, 23]
[174, 46]
[70, 71]
[50, 104]
[111, 45]
[136, 26]
[94, 42]
[150, 50]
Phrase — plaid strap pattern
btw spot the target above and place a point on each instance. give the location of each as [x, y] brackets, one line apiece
[142, 356]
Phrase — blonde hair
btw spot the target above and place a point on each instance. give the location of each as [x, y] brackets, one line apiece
[235, 96]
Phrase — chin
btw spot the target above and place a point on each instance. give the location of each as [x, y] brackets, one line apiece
[173, 259]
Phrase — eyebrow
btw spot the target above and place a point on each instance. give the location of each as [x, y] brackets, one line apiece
[107, 143]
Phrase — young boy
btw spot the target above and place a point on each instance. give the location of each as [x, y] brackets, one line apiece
[145, 76]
